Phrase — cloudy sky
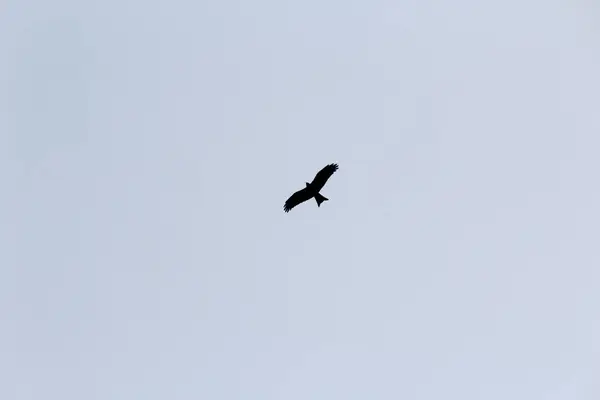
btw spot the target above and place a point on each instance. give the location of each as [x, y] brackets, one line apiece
[147, 150]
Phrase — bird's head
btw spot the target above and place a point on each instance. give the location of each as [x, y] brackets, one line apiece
[307, 184]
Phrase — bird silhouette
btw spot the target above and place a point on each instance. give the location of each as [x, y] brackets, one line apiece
[312, 189]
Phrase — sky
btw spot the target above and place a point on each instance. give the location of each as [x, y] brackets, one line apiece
[148, 148]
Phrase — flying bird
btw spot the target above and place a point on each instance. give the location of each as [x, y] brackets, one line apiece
[312, 189]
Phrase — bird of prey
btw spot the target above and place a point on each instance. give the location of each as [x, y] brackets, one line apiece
[312, 189]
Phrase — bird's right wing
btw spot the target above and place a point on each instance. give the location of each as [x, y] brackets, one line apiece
[323, 175]
[299, 197]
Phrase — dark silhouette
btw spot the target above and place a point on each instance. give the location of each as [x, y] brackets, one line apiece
[312, 189]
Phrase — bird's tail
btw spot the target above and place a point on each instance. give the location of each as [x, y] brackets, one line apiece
[320, 198]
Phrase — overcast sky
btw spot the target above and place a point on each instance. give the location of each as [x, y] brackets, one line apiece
[148, 148]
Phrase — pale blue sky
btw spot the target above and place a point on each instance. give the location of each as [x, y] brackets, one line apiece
[148, 148]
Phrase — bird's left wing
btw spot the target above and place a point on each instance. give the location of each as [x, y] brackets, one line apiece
[299, 197]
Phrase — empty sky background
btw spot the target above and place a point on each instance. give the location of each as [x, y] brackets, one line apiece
[147, 150]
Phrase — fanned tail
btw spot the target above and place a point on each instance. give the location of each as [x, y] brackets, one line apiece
[320, 198]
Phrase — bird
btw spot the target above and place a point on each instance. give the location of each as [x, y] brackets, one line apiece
[312, 189]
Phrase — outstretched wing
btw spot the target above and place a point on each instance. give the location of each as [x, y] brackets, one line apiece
[323, 175]
[299, 197]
